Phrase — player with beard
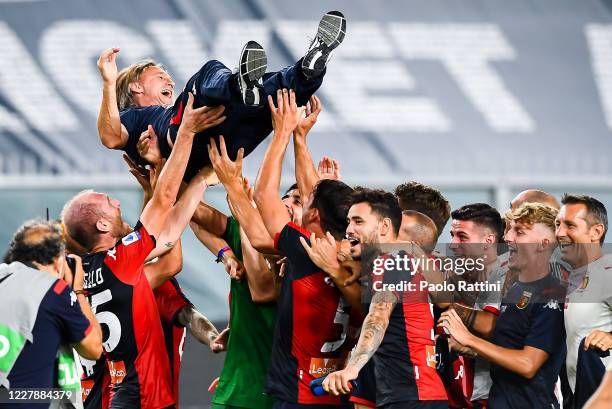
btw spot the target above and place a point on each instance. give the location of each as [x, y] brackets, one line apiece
[398, 330]
[117, 287]
[140, 97]
[527, 348]
[582, 224]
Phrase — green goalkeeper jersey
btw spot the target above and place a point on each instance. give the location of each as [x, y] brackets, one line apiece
[243, 377]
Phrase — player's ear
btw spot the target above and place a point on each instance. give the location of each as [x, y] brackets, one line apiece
[103, 225]
[385, 226]
[135, 88]
[313, 216]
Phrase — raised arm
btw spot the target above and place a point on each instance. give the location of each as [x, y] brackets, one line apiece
[230, 174]
[267, 196]
[156, 212]
[215, 244]
[305, 172]
[182, 212]
[165, 266]
[261, 279]
[112, 134]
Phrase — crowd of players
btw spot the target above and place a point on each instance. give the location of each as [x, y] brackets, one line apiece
[304, 304]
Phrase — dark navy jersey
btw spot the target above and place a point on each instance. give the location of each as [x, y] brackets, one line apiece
[311, 335]
[137, 119]
[123, 302]
[531, 315]
[405, 362]
[59, 320]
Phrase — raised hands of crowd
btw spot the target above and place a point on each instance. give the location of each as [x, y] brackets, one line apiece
[199, 119]
[329, 168]
[146, 178]
[285, 114]
[311, 113]
[228, 171]
[148, 147]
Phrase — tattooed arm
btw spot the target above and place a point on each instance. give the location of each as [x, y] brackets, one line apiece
[372, 333]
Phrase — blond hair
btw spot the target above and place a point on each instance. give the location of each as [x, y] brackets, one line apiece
[532, 213]
[128, 75]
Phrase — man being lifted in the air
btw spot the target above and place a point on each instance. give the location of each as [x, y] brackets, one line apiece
[140, 97]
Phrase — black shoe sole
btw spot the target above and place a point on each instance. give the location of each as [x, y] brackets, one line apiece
[330, 34]
[252, 67]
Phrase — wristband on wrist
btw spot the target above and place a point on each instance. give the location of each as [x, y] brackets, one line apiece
[221, 253]
[84, 292]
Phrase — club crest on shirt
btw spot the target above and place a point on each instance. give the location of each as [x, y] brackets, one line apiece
[133, 237]
[524, 300]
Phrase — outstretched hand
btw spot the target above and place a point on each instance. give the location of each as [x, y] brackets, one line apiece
[285, 117]
[313, 109]
[226, 169]
[329, 168]
[199, 119]
[107, 65]
[141, 174]
[148, 146]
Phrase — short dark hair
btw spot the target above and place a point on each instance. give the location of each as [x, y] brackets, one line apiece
[484, 215]
[425, 199]
[291, 188]
[37, 241]
[332, 199]
[383, 204]
[596, 211]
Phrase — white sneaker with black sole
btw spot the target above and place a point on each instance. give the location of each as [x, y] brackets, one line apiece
[331, 32]
[251, 68]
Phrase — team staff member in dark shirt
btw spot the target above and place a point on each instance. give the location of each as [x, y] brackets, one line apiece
[528, 345]
[63, 317]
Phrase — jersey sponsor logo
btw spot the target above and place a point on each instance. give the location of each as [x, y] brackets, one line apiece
[320, 367]
[133, 237]
[524, 300]
[86, 387]
[553, 305]
[117, 371]
[432, 357]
